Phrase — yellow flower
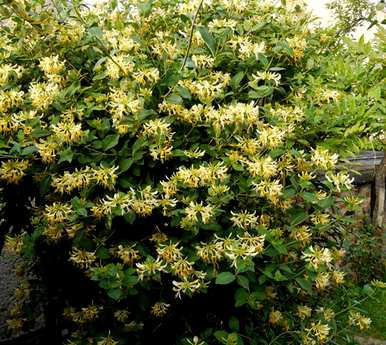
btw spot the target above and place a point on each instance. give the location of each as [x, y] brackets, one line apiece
[271, 137]
[79, 179]
[43, 94]
[128, 254]
[169, 252]
[322, 280]
[338, 277]
[118, 66]
[268, 76]
[322, 159]
[211, 252]
[159, 309]
[188, 287]
[196, 212]
[90, 313]
[47, 150]
[6, 70]
[58, 212]
[150, 267]
[317, 257]
[302, 234]
[303, 311]
[321, 331]
[262, 167]
[271, 190]
[320, 218]
[194, 153]
[16, 324]
[12, 171]
[54, 232]
[108, 341]
[327, 313]
[202, 61]
[378, 284]
[158, 237]
[121, 315]
[67, 130]
[298, 45]
[275, 316]
[182, 268]
[340, 179]
[144, 201]
[359, 320]
[51, 66]
[13, 244]
[82, 258]
[244, 219]
[9, 99]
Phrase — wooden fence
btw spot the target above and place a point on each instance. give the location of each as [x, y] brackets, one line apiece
[369, 178]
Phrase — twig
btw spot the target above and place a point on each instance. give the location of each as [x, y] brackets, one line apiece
[191, 34]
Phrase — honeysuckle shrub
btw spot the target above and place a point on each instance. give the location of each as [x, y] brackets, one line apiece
[182, 180]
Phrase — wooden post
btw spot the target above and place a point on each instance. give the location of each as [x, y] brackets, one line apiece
[379, 207]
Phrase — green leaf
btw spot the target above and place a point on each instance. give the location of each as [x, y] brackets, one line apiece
[174, 99]
[221, 336]
[236, 79]
[102, 253]
[39, 133]
[245, 265]
[309, 197]
[110, 141]
[298, 216]
[66, 156]
[45, 185]
[27, 151]
[234, 324]
[139, 143]
[208, 39]
[184, 92]
[241, 297]
[115, 294]
[99, 76]
[257, 295]
[269, 269]
[82, 212]
[260, 92]
[225, 278]
[280, 247]
[145, 7]
[279, 276]
[304, 284]
[368, 290]
[125, 164]
[263, 59]
[170, 79]
[243, 281]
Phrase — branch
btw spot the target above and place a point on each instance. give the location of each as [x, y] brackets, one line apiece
[191, 35]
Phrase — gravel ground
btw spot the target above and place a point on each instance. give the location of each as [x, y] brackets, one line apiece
[8, 283]
[370, 341]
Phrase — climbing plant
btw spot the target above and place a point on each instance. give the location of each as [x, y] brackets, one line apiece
[177, 165]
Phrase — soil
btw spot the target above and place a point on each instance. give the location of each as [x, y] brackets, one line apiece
[8, 283]
[369, 341]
